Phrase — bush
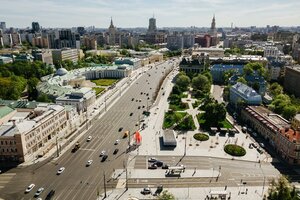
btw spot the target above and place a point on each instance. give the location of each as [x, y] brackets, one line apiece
[201, 137]
[234, 150]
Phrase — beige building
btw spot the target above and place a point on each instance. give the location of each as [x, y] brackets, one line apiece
[60, 55]
[276, 130]
[30, 133]
[295, 122]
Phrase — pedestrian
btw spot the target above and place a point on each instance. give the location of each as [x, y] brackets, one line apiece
[225, 187]
[246, 190]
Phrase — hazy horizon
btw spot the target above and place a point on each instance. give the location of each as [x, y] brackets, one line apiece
[136, 13]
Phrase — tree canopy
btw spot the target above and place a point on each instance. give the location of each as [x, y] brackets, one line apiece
[282, 190]
[201, 82]
[183, 81]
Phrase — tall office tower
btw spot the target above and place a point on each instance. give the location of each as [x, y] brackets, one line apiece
[152, 25]
[67, 39]
[213, 30]
[3, 26]
[35, 27]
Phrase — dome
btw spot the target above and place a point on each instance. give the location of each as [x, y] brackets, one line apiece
[61, 71]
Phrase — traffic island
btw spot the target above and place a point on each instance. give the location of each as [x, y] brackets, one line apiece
[201, 137]
[234, 150]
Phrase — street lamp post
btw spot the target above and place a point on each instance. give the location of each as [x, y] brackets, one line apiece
[104, 182]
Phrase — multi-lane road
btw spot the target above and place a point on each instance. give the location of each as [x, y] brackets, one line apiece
[78, 181]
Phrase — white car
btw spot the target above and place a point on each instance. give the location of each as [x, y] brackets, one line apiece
[89, 138]
[60, 170]
[117, 142]
[102, 153]
[89, 162]
[38, 192]
[29, 188]
[152, 159]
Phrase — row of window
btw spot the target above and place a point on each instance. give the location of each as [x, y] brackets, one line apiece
[13, 150]
[8, 142]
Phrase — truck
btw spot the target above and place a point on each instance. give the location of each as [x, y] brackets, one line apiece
[76, 147]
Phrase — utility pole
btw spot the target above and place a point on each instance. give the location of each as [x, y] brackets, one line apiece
[128, 138]
[104, 182]
[126, 178]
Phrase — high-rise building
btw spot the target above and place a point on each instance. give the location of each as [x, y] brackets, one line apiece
[112, 34]
[213, 30]
[66, 39]
[3, 26]
[152, 25]
[35, 27]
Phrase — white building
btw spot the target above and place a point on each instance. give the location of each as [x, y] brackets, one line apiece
[81, 99]
[134, 62]
[29, 133]
[271, 51]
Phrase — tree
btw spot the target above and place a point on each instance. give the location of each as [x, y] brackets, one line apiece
[242, 80]
[201, 82]
[183, 81]
[166, 195]
[214, 113]
[289, 112]
[275, 89]
[282, 190]
[176, 90]
[31, 88]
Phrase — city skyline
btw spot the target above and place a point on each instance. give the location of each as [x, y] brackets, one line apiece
[133, 13]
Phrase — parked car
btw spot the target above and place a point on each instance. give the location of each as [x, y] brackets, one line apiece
[254, 145]
[120, 129]
[262, 145]
[158, 163]
[152, 159]
[117, 142]
[130, 114]
[159, 189]
[29, 188]
[250, 146]
[146, 191]
[102, 153]
[153, 166]
[38, 192]
[259, 150]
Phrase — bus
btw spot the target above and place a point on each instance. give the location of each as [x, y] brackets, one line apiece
[175, 171]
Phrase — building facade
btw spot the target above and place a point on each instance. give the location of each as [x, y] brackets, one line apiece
[60, 55]
[291, 79]
[241, 92]
[31, 133]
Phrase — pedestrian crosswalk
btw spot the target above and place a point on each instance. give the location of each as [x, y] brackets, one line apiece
[5, 178]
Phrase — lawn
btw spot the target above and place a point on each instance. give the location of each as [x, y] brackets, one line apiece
[226, 124]
[187, 124]
[104, 82]
[171, 118]
[98, 90]
[223, 124]
[180, 107]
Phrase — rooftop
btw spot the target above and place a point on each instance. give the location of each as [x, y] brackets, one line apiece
[245, 90]
[5, 110]
[291, 135]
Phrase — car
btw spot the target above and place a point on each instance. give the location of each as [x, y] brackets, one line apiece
[148, 98]
[89, 162]
[152, 166]
[152, 159]
[50, 195]
[89, 138]
[158, 163]
[132, 99]
[147, 94]
[130, 114]
[146, 191]
[250, 146]
[102, 153]
[165, 166]
[60, 170]
[254, 134]
[29, 188]
[140, 100]
[38, 192]
[259, 150]
[139, 107]
[254, 145]
[143, 106]
[141, 92]
[104, 158]
[159, 189]
[262, 145]
[116, 151]
[117, 142]
[120, 129]
[244, 129]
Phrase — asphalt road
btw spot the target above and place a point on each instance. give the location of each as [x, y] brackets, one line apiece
[233, 172]
[79, 181]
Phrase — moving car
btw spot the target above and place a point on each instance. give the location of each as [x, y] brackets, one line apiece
[116, 151]
[60, 170]
[29, 188]
[102, 153]
[38, 192]
[104, 158]
[50, 195]
[89, 138]
[152, 166]
[89, 162]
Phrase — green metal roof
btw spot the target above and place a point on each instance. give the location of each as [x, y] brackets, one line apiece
[5, 110]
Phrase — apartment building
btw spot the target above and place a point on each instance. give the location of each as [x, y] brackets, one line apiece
[60, 55]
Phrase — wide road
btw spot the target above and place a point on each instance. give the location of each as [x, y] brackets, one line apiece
[78, 181]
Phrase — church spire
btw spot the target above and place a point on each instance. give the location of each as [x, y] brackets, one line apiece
[111, 23]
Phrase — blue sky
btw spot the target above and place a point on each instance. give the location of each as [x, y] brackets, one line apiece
[135, 13]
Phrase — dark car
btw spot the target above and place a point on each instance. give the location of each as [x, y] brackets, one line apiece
[120, 129]
[165, 166]
[158, 163]
[158, 190]
[116, 151]
[132, 99]
[104, 158]
[130, 114]
[139, 107]
[50, 195]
